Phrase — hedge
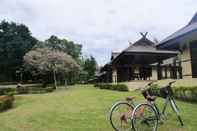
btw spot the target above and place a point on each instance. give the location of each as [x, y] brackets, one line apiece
[5, 91]
[6, 102]
[181, 93]
[25, 90]
[117, 87]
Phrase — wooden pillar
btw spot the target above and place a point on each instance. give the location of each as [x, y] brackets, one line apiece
[180, 70]
[114, 74]
[166, 72]
[159, 71]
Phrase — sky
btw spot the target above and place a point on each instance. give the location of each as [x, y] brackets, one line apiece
[101, 26]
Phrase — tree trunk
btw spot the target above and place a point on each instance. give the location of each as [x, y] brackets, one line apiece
[54, 78]
[65, 80]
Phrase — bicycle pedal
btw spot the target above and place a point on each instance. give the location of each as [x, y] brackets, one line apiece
[161, 122]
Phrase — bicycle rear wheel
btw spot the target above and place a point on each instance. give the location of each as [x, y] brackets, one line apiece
[144, 118]
[120, 116]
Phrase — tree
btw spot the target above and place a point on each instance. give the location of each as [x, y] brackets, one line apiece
[69, 47]
[89, 66]
[46, 61]
[15, 41]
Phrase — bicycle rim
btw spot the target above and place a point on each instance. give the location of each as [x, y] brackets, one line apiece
[120, 116]
[144, 118]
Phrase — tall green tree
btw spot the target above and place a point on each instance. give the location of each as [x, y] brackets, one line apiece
[15, 41]
[89, 66]
[69, 47]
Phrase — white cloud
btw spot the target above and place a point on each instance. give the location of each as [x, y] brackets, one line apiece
[100, 25]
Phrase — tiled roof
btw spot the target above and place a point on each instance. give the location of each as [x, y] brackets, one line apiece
[191, 26]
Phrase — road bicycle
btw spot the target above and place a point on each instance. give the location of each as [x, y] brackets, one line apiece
[145, 116]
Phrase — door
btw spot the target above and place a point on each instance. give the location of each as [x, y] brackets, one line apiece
[193, 49]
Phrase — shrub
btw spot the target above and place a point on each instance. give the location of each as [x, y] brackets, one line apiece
[33, 90]
[5, 91]
[6, 102]
[25, 90]
[117, 87]
[181, 93]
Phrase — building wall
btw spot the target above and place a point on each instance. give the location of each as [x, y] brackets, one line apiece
[186, 55]
[114, 75]
[186, 62]
[154, 74]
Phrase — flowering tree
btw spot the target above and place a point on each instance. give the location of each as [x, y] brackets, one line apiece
[44, 60]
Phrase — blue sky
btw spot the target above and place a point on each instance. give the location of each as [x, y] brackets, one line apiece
[101, 26]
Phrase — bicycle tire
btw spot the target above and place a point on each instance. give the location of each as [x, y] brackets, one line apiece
[112, 114]
[145, 120]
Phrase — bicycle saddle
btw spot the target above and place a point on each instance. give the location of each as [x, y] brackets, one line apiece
[130, 98]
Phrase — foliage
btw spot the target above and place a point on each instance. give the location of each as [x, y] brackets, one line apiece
[69, 47]
[44, 61]
[6, 102]
[89, 66]
[34, 90]
[6, 91]
[117, 87]
[15, 41]
[63, 45]
[181, 93]
[25, 90]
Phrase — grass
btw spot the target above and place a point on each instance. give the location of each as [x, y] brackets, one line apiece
[79, 108]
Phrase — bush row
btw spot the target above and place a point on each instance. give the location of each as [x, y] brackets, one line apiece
[25, 90]
[117, 87]
[181, 93]
[6, 102]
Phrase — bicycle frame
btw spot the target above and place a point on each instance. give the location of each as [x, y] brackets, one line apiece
[168, 99]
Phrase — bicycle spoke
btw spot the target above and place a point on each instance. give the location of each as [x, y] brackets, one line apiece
[121, 117]
[144, 118]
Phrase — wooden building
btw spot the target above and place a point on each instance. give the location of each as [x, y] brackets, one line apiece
[185, 41]
[175, 57]
[140, 61]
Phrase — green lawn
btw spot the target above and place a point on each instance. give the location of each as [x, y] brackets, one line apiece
[79, 108]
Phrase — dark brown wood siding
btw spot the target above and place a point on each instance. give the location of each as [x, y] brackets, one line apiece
[193, 48]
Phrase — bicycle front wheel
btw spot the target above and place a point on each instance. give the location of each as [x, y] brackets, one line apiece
[120, 116]
[144, 118]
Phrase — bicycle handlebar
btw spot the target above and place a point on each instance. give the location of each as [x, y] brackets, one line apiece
[149, 84]
[170, 83]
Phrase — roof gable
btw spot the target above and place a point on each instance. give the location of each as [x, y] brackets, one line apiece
[186, 30]
[193, 20]
[142, 44]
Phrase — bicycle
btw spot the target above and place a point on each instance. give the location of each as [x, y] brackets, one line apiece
[120, 114]
[148, 120]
